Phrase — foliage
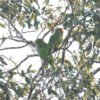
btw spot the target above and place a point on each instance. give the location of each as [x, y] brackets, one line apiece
[71, 76]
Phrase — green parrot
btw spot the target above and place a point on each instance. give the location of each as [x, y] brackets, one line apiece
[43, 50]
[56, 39]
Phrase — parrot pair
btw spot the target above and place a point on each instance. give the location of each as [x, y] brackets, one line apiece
[45, 49]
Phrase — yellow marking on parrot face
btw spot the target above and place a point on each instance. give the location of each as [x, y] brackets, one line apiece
[62, 30]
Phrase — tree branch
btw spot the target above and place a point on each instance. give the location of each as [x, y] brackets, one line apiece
[21, 63]
[14, 47]
[96, 71]
[38, 72]
[81, 68]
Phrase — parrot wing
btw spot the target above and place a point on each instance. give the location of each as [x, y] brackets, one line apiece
[43, 49]
[55, 40]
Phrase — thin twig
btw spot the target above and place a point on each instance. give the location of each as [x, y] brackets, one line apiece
[28, 32]
[69, 35]
[97, 62]
[21, 63]
[72, 56]
[96, 71]
[14, 47]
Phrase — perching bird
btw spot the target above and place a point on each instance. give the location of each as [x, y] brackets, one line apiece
[56, 39]
[43, 50]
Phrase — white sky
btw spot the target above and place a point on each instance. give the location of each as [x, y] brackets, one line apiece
[19, 54]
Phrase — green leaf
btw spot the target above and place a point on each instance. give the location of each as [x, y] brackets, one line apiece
[20, 92]
[27, 2]
[92, 33]
[2, 25]
[46, 1]
[51, 91]
[11, 75]
[1, 74]
[88, 52]
[1, 0]
[96, 1]
[66, 17]
[22, 73]
[97, 28]
[36, 11]
[59, 8]
[2, 61]
[68, 24]
[49, 25]
[27, 80]
[96, 19]
[28, 70]
[0, 71]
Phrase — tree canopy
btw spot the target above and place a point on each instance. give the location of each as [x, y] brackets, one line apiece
[71, 76]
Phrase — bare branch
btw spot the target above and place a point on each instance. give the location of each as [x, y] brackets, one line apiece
[15, 29]
[14, 47]
[96, 71]
[34, 78]
[28, 32]
[72, 56]
[39, 91]
[97, 62]
[21, 63]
